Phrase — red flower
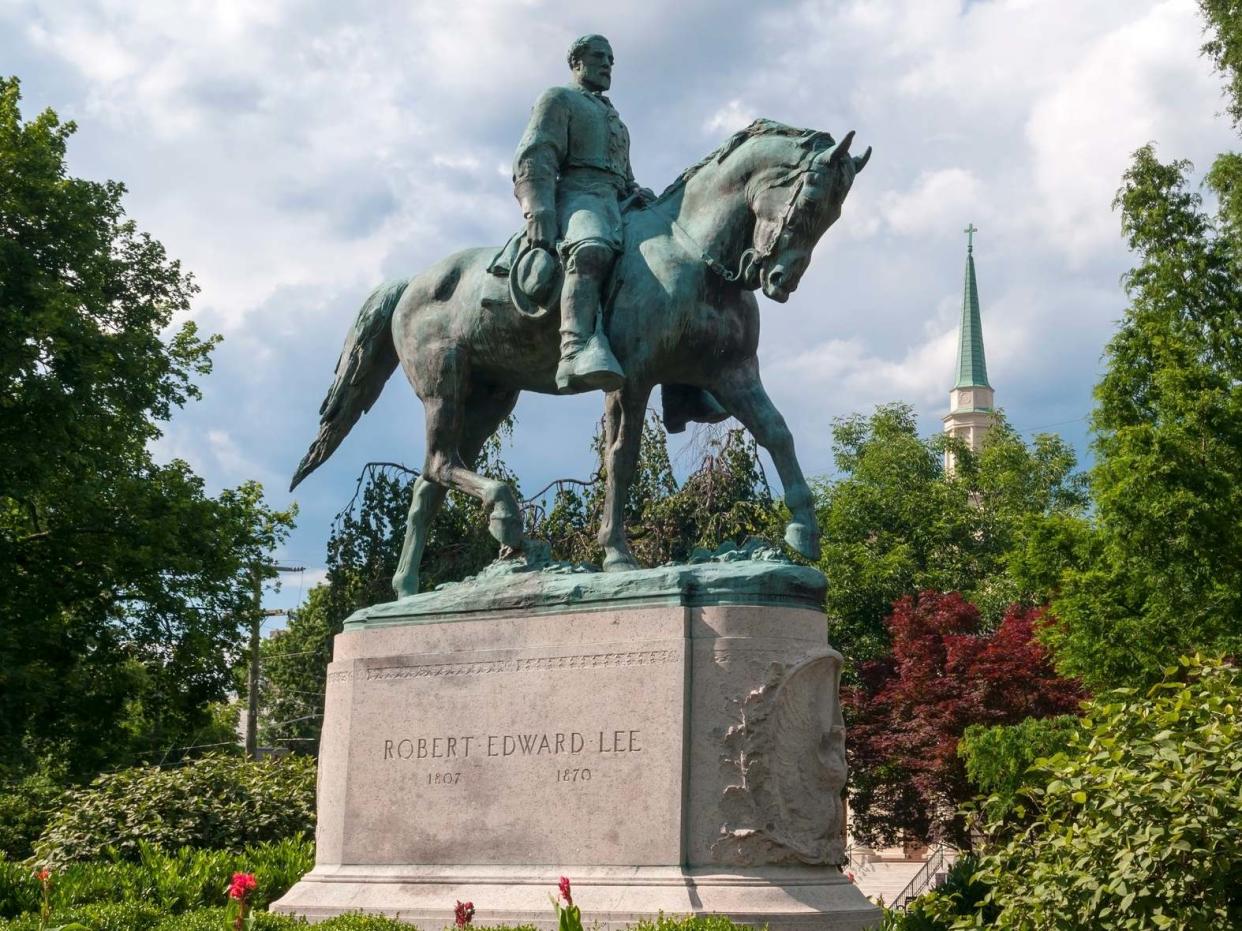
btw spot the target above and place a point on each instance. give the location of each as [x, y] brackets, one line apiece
[242, 885]
[563, 887]
[464, 913]
[43, 875]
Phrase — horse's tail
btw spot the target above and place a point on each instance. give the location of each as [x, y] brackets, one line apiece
[367, 360]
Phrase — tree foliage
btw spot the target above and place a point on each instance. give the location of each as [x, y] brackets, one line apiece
[1224, 47]
[1135, 824]
[122, 583]
[1165, 568]
[998, 759]
[910, 709]
[999, 529]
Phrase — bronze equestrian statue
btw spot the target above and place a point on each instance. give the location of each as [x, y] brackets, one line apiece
[675, 283]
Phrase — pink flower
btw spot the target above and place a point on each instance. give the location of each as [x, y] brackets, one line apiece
[563, 888]
[850, 876]
[242, 885]
[464, 913]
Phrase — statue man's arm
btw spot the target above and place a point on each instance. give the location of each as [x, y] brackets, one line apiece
[540, 154]
[642, 195]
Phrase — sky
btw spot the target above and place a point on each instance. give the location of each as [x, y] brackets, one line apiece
[294, 154]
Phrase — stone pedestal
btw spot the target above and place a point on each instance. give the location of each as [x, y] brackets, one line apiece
[658, 739]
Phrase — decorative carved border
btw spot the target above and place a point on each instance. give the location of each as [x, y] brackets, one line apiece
[523, 664]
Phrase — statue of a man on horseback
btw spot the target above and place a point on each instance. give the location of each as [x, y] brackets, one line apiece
[572, 176]
[677, 275]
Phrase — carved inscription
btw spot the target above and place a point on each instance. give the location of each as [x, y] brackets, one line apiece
[467, 746]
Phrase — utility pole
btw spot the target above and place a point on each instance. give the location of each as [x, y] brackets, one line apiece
[256, 636]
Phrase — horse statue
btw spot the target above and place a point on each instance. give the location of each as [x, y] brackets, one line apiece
[681, 313]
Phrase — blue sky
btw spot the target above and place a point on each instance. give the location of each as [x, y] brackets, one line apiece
[293, 155]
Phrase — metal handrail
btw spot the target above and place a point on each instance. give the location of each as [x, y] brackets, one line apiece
[922, 879]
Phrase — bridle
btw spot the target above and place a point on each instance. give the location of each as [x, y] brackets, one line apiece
[752, 258]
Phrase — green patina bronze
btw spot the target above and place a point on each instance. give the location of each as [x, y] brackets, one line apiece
[679, 309]
[753, 574]
[972, 366]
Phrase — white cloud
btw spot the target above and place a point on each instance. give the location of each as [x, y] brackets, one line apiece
[921, 210]
[730, 118]
[1130, 86]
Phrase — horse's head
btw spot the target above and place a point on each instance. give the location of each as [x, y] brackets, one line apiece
[793, 206]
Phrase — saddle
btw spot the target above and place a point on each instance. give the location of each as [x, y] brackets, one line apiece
[529, 277]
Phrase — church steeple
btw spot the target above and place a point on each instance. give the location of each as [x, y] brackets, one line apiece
[970, 402]
[972, 366]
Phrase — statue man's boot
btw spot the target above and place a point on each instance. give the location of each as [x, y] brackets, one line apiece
[587, 362]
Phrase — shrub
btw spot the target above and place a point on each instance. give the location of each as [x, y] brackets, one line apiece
[216, 919]
[175, 882]
[19, 890]
[961, 893]
[216, 803]
[1137, 824]
[100, 916]
[25, 808]
[365, 923]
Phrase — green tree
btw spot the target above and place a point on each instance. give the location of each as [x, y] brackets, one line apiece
[1224, 47]
[122, 583]
[998, 759]
[1165, 570]
[998, 529]
[294, 667]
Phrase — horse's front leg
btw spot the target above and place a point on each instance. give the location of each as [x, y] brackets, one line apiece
[624, 411]
[742, 394]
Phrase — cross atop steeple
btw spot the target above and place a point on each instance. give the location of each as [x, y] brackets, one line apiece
[970, 231]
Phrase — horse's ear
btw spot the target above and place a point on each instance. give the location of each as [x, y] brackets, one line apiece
[860, 161]
[842, 148]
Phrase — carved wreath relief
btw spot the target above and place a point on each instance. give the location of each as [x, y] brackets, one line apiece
[788, 757]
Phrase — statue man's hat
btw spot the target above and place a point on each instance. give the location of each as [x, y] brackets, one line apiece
[535, 281]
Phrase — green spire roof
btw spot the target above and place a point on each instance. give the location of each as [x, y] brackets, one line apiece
[972, 368]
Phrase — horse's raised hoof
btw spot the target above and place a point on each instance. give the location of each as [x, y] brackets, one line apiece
[804, 539]
[620, 562]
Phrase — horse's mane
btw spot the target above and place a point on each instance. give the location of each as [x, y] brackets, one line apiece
[760, 127]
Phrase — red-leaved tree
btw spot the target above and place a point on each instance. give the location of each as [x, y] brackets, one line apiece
[908, 712]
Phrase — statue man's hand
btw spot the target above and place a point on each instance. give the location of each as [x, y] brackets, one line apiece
[541, 228]
[645, 195]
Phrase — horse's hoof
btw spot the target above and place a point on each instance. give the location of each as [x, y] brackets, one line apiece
[506, 530]
[405, 586]
[804, 539]
[620, 562]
